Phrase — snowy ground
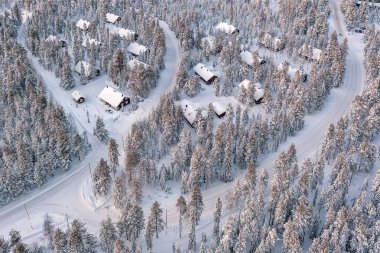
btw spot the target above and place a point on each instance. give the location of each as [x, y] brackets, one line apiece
[68, 196]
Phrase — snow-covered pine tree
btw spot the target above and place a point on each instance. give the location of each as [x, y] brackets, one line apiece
[155, 218]
[107, 235]
[101, 179]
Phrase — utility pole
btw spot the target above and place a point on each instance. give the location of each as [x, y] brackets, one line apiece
[28, 216]
[89, 167]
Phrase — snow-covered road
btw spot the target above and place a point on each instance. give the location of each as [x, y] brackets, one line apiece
[66, 194]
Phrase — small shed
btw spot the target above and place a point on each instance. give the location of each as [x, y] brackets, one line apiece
[219, 109]
[83, 24]
[78, 97]
[128, 34]
[90, 42]
[54, 39]
[113, 98]
[89, 70]
[226, 28]
[207, 75]
[190, 109]
[112, 18]
[133, 63]
[292, 72]
[310, 53]
[249, 57]
[259, 93]
[137, 49]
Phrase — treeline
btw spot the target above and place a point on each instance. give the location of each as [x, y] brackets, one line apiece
[36, 137]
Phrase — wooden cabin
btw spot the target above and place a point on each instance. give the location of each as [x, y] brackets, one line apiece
[113, 98]
[112, 18]
[89, 71]
[205, 74]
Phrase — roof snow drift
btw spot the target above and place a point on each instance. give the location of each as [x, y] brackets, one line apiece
[310, 52]
[259, 93]
[226, 28]
[247, 57]
[91, 42]
[83, 24]
[86, 67]
[125, 33]
[292, 72]
[51, 38]
[219, 108]
[111, 97]
[271, 42]
[112, 18]
[136, 49]
[190, 111]
[76, 95]
[133, 63]
[204, 72]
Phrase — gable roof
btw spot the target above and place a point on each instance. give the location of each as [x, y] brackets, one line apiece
[133, 63]
[316, 52]
[91, 42]
[259, 93]
[111, 96]
[76, 95]
[225, 27]
[51, 38]
[112, 18]
[83, 24]
[125, 33]
[203, 72]
[86, 67]
[292, 71]
[247, 57]
[190, 109]
[136, 48]
[219, 108]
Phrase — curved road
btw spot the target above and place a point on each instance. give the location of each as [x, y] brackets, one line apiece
[307, 142]
[64, 194]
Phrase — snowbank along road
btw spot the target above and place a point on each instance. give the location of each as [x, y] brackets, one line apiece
[66, 194]
[66, 197]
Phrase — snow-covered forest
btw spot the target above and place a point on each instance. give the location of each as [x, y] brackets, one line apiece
[235, 126]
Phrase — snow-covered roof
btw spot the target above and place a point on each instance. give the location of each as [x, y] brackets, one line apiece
[83, 24]
[125, 33]
[247, 57]
[259, 93]
[245, 83]
[111, 96]
[91, 42]
[133, 63]
[275, 43]
[136, 48]
[219, 108]
[292, 71]
[190, 109]
[316, 52]
[225, 27]
[112, 18]
[203, 72]
[86, 67]
[267, 36]
[51, 38]
[76, 95]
